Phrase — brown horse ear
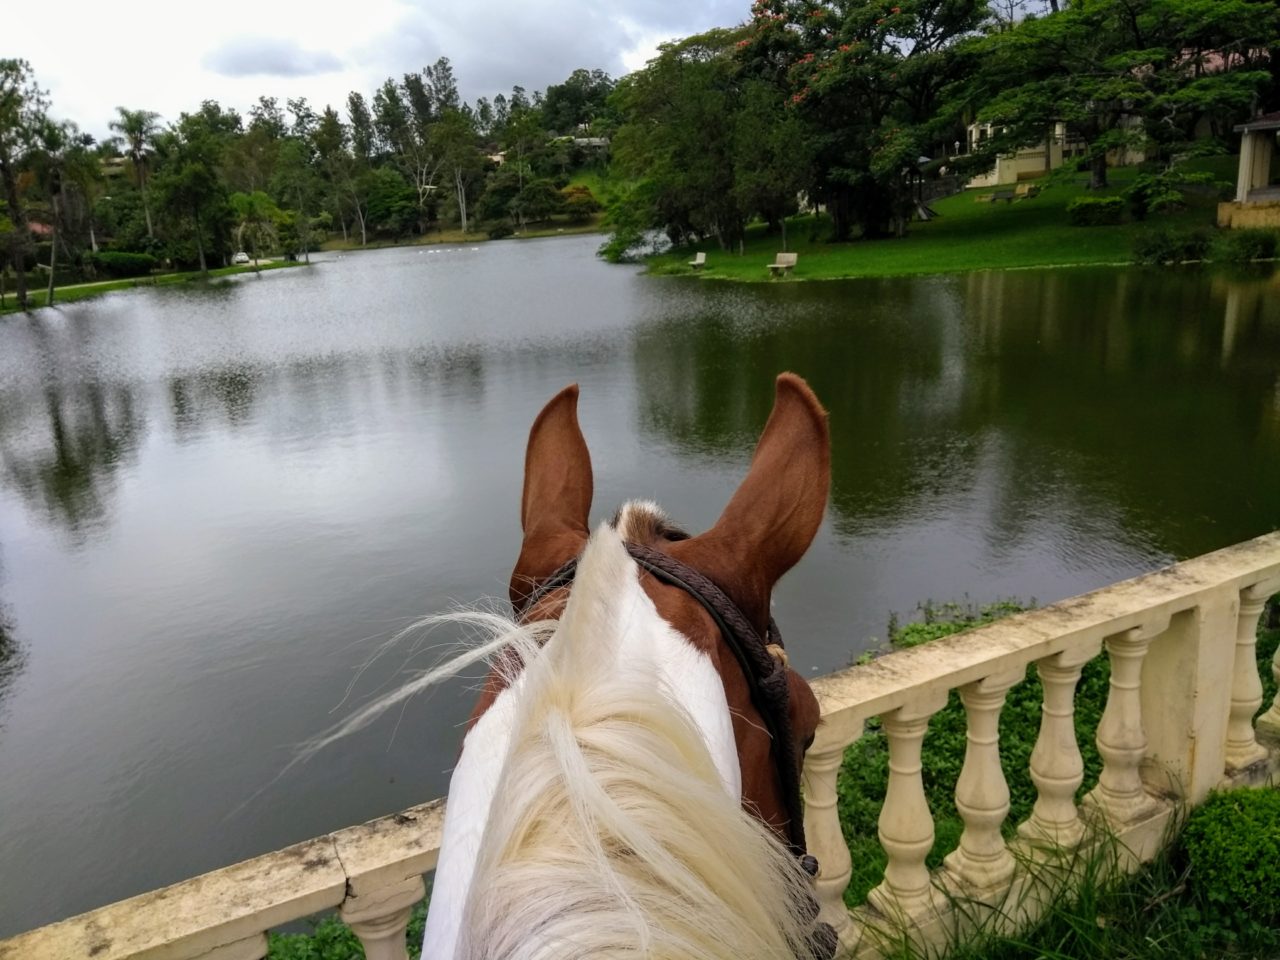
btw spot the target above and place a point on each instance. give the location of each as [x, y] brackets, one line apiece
[775, 513]
[556, 502]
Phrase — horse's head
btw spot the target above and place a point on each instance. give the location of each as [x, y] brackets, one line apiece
[765, 529]
[631, 785]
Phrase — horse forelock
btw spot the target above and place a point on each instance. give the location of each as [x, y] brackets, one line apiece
[619, 829]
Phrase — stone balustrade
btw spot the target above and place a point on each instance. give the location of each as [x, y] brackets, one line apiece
[1178, 722]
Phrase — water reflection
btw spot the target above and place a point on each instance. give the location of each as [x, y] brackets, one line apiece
[1115, 398]
[66, 472]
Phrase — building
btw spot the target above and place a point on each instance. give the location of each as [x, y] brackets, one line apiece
[1257, 202]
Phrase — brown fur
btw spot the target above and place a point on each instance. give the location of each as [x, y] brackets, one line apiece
[765, 529]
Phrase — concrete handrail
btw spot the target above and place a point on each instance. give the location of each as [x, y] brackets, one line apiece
[1181, 643]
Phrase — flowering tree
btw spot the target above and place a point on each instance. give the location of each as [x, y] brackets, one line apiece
[873, 82]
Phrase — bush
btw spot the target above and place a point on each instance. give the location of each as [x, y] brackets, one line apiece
[115, 263]
[579, 203]
[1232, 844]
[1242, 246]
[1095, 211]
[1167, 245]
[499, 230]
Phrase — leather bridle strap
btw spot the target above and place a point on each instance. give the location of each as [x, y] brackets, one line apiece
[762, 661]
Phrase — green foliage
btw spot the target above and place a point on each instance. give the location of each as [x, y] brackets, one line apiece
[579, 203]
[1171, 245]
[1243, 246]
[331, 939]
[1232, 845]
[942, 620]
[116, 263]
[1095, 211]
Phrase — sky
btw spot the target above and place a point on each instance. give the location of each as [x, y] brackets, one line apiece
[168, 55]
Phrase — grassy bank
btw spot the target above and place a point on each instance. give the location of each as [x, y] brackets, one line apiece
[548, 228]
[967, 235]
[83, 291]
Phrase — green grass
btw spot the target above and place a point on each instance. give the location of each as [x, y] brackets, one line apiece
[84, 291]
[555, 227]
[967, 235]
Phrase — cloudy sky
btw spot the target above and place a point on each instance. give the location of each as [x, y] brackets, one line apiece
[150, 54]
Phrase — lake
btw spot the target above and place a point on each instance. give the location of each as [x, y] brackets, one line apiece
[216, 504]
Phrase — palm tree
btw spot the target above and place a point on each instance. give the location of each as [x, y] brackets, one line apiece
[138, 127]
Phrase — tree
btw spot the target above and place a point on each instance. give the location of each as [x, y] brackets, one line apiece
[139, 128]
[23, 108]
[1124, 73]
[189, 179]
[677, 136]
[54, 141]
[256, 217]
[577, 101]
[868, 80]
[454, 141]
[297, 184]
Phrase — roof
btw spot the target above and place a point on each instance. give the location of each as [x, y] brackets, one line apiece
[1268, 121]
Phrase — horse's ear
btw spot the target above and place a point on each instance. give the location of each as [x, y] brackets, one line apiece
[556, 502]
[775, 513]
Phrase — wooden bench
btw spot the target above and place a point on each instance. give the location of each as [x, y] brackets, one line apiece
[783, 263]
[699, 260]
[1026, 191]
[1005, 195]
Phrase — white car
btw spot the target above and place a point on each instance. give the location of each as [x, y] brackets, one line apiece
[240, 257]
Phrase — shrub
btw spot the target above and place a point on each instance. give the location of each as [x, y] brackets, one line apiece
[579, 203]
[1241, 246]
[116, 263]
[1232, 844]
[499, 230]
[1167, 245]
[1095, 211]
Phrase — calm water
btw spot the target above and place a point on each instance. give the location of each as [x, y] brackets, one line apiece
[215, 504]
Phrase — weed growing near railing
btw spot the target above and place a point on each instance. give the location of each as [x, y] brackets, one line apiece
[331, 939]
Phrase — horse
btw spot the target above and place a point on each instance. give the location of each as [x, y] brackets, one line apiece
[628, 783]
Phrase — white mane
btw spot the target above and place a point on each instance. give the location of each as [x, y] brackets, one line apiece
[596, 809]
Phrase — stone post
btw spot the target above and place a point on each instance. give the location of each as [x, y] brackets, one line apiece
[822, 829]
[906, 823]
[982, 861]
[1057, 769]
[379, 918]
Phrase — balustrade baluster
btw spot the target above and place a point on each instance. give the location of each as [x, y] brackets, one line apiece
[822, 829]
[906, 823]
[379, 918]
[1057, 769]
[1120, 795]
[982, 861]
[1243, 748]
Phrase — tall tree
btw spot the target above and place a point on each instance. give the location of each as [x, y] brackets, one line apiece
[454, 141]
[139, 128]
[23, 108]
[868, 79]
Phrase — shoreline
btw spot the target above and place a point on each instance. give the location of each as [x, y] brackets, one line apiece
[75, 292]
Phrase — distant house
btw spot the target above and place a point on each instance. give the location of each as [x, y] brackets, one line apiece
[1257, 202]
[1060, 146]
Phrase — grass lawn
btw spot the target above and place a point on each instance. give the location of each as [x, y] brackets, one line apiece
[967, 235]
[555, 227]
[83, 291]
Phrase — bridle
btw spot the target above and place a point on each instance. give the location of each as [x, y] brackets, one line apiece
[763, 661]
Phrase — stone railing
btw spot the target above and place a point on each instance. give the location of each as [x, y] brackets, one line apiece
[1179, 721]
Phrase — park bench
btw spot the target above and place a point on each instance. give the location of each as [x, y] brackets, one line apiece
[699, 260]
[1005, 195]
[783, 263]
[982, 198]
[1026, 191]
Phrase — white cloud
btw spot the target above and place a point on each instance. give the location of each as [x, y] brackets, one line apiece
[167, 57]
